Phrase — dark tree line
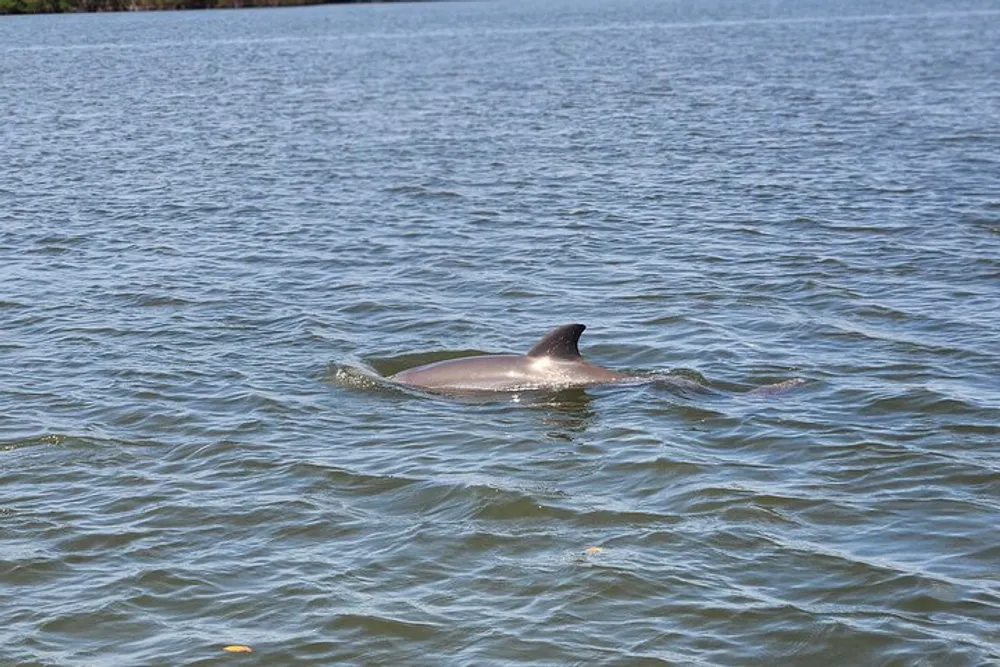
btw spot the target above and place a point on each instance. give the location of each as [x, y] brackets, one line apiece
[58, 6]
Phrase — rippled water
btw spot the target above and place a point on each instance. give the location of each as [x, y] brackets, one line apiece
[216, 227]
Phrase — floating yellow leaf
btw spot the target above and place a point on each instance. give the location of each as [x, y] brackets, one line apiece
[594, 550]
[238, 648]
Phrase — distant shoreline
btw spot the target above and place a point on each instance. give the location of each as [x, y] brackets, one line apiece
[10, 7]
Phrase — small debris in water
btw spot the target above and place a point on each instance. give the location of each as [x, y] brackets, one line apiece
[237, 648]
[593, 551]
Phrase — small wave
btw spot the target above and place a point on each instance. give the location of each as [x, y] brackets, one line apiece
[422, 191]
[920, 400]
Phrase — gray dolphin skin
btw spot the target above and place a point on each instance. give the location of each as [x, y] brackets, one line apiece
[553, 363]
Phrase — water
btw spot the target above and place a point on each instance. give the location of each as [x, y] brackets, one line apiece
[215, 227]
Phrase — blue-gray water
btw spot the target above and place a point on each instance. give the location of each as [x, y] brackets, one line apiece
[215, 226]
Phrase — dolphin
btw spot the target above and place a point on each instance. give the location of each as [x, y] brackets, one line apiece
[553, 363]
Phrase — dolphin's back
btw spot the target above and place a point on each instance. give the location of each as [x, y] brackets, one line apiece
[484, 373]
[553, 362]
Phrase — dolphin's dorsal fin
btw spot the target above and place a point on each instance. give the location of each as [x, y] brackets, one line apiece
[559, 343]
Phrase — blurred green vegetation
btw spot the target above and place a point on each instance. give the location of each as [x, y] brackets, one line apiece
[57, 6]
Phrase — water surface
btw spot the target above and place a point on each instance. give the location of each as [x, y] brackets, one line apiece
[212, 224]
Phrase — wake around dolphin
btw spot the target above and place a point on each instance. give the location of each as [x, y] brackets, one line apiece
[553, 363]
